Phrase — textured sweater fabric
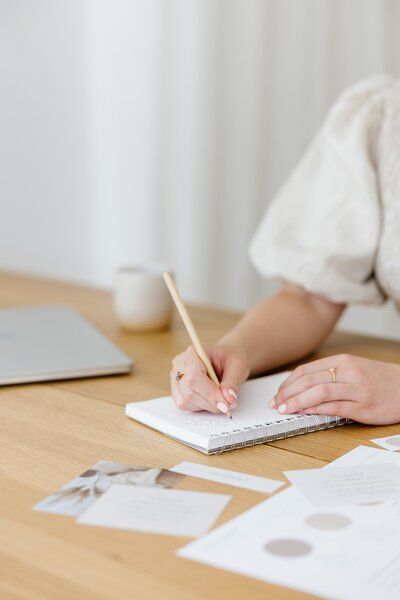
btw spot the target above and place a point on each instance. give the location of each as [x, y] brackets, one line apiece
[334, 227]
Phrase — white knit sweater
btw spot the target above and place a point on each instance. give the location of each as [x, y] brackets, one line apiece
[334, 227]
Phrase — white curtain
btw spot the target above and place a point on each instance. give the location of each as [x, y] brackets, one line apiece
[181, 119]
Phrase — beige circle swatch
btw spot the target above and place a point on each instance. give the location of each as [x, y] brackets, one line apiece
[288, 547]
[394, 441]
[328, 521]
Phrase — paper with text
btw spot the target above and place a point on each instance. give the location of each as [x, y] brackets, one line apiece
[234, 478]
[80, 493]
[155, 510]
[348, 484]
[348, 552]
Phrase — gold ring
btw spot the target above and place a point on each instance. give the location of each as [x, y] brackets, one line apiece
[332, 371]
[179, 376]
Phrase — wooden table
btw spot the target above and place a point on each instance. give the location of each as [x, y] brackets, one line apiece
[52, 432]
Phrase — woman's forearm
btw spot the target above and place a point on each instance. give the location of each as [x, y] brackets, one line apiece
[283, 328]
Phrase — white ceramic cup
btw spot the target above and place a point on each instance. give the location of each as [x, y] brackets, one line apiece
[142, 301]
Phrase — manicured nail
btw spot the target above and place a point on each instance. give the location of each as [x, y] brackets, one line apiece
[232, 393]
[272, 403]
[222, 407]
[282, 408]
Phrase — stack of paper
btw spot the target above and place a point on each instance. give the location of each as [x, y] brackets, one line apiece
[334, 533]
[339, 537]
[124, 496]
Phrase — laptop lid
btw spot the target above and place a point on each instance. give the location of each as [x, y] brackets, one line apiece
[54, 342]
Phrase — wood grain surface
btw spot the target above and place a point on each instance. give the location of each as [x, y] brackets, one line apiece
[51, 432]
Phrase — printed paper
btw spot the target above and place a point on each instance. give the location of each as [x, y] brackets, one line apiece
[235, 478]
[349, 552]
[80, 493]
[155, 510]
[348, 484]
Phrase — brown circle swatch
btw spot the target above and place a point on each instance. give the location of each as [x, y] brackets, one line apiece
[394, 441]
[288, 547]
[328, 521]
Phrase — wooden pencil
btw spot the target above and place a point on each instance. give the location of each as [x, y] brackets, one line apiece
[190, 328]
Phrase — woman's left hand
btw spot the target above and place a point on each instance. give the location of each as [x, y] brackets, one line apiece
[367, 391]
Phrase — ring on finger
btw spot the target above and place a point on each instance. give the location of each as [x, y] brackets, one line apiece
[179, 375]
[332, 371]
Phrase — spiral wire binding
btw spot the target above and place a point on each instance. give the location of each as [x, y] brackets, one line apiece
[239, 438]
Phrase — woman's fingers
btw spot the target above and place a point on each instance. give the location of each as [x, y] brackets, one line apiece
[187, 398]
[235, 372]
[322, 364]
[198, 389]
[194, 390]
[318, 394]
[300, 385]
[312, 389]
[183, 403]
[339, 408]
[179, 399]
[195, 387]
[188, 361]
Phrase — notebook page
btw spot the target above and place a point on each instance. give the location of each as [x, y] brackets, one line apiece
[197, 428]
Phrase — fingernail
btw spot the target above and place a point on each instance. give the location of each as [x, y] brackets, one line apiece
[282, 408]
[232, 393]
[222, 407]
[272, 403]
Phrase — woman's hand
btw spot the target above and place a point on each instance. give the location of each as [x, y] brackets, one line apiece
[367, 391]
[195, 390]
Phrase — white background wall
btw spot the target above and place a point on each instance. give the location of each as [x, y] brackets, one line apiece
[43, 141]
[134, 131]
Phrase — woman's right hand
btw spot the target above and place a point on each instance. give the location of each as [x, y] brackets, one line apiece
[195, 391]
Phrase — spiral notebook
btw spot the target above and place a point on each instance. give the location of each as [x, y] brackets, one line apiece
[253, 422]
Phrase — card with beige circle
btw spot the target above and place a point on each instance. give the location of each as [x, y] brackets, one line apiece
[349, 552]
[391, 443]
[288, 547]
[328, 521]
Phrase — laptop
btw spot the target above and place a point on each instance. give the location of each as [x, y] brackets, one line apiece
[53, 342]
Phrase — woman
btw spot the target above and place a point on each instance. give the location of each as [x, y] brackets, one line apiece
[332, 235]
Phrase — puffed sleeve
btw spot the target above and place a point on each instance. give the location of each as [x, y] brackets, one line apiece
[322, 229]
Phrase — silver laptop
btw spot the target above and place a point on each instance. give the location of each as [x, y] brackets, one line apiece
[54, 342]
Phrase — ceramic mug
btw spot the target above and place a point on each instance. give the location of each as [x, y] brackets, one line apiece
[142, 301]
